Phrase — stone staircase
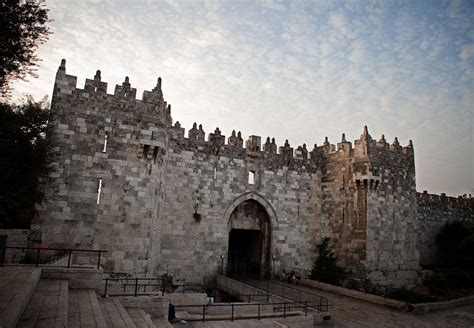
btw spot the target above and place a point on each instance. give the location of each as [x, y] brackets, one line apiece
[29, 299]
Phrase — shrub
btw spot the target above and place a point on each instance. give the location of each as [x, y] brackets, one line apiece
[456, 244]
[325, 268]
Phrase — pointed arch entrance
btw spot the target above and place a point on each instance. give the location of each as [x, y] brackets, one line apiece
[250, 231]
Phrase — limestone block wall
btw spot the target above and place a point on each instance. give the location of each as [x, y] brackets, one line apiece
[370, 205]
[392, 230]
[15, 238]
[105, 191]
[210, 178]
[339, 204]
[433, 212]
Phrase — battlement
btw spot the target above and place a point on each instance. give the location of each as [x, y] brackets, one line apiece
[124, 96]
[364, 147]
[424, 198]
[123, 102]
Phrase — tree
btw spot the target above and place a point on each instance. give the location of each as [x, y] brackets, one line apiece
[23, 29]
[456, 244]
[325, 268]
[26, 156]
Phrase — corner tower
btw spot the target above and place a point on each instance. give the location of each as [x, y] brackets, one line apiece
[106, 189]
[370, 205]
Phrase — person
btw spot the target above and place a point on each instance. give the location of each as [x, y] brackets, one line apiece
[171, 313]
[291, 276]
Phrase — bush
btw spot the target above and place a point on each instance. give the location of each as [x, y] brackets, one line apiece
[325, 268]
[451, 279]
[456, 244]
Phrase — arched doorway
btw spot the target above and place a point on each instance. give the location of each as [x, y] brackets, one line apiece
[249, 247]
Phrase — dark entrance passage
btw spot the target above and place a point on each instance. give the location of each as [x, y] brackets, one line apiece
[248, 254]
[245, 253]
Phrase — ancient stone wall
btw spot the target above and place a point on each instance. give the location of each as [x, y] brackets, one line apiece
[130, 182]
[433, 212]
[212, 178]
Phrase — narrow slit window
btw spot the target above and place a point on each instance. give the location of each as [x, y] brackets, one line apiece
[146, 148]
[251, 177]
[155, 154]
[105, 142]
[99, 191]
[215, 173]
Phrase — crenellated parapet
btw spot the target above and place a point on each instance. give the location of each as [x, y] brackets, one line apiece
[426, 199]
[365, 146]
[235, 140]
[270, 146]
[235, 147]
[122, 103]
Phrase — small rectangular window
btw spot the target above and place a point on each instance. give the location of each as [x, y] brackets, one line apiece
[251, 177]
[215, 173]
[99, 190]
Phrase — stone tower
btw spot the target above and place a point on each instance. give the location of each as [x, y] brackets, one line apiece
[106, 191]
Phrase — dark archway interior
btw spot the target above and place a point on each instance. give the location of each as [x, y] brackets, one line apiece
[245, 253]
[249, 240]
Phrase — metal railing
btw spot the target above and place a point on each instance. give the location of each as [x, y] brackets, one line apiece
[295, 294]
[281, 308]
[154, 285]
[285, 269]
[41, 256]
[248, 297]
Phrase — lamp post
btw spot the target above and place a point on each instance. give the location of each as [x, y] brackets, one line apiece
[222, 263]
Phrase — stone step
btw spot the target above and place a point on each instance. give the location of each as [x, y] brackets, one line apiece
[84, 309]
[141, 318]
[48, 306]
[115, 314]
[17, 286]
[162, 323]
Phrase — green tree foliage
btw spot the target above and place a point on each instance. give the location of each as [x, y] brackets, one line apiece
[26, 154]
[23, 29]
[456, 244]
[325, 268]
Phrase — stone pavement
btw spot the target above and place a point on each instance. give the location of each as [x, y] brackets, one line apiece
[84, 309]
[350, 312]
[141, 318]
[48, 306]
[115, 314]
[17, 285]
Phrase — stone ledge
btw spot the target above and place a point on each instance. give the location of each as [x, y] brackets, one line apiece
[356, 294]
[422, 308]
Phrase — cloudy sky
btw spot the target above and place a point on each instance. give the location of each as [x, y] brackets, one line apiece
[298, 70]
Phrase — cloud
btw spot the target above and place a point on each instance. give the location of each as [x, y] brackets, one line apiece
[293, 70]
